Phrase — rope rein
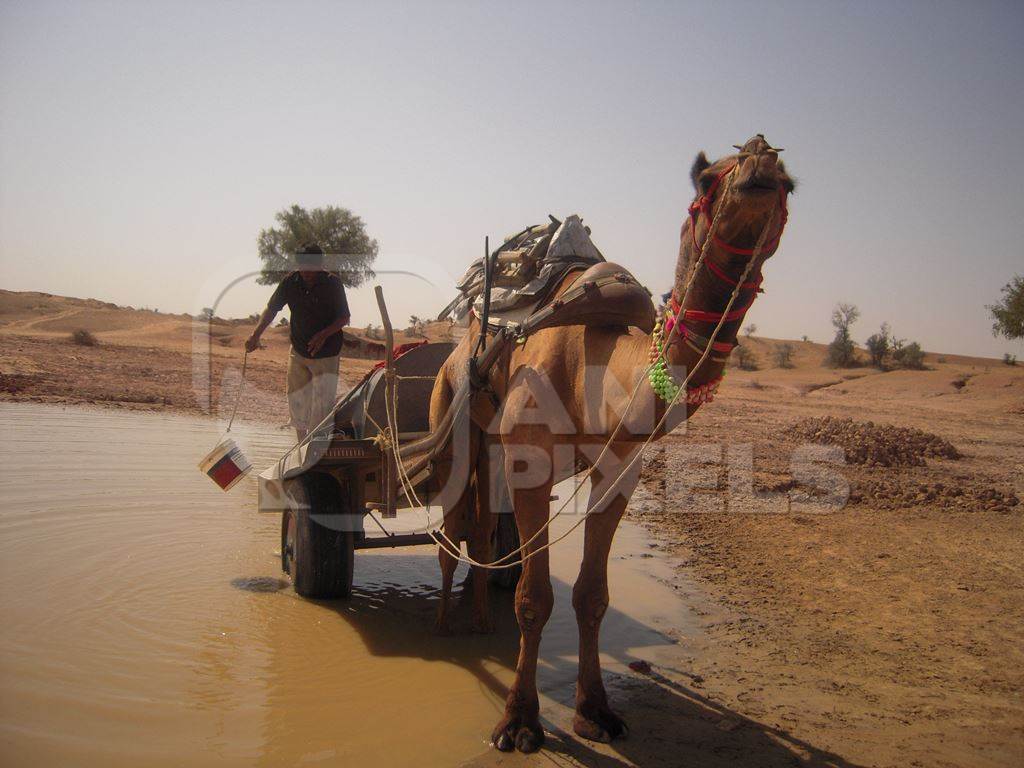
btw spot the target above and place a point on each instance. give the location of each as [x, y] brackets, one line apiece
[238, 397]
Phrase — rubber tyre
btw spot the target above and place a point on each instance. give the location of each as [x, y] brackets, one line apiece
[506, 539]
[318, 557]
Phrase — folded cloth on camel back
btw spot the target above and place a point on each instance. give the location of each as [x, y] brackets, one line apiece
[529, 265]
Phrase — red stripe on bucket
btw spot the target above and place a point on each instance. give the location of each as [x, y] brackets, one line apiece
[224, 471]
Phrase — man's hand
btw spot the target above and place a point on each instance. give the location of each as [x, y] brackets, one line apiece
[317, 341]
[252, 343]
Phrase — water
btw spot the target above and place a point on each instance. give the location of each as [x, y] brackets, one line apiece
[146, 620]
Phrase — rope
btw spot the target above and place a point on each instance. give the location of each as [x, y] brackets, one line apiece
[238, 397]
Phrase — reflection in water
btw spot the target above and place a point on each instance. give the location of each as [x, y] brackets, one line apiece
[259, 583]
[147, 620]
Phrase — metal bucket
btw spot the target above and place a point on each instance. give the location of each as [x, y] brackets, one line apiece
[225, 464]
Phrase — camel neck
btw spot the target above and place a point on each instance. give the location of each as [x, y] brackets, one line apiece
[702, 306]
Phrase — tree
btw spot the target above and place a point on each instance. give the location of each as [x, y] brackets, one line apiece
[840, 351]
[1008, 313]
[908, 355]
[342, 235]
[878, 345]
[750, 330]
[784, 355]
[417, 325]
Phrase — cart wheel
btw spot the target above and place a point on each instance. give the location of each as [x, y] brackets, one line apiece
[314, 551]
[506, 539]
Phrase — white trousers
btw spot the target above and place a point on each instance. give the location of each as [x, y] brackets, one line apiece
[312, 389]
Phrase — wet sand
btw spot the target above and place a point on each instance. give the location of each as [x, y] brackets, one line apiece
[147, 621]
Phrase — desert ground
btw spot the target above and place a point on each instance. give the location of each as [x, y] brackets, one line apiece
[888, 632]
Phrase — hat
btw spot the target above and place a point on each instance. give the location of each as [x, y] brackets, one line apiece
[310, 255]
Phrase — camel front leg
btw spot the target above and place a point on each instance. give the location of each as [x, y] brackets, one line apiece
[520, 727]
[594, 718]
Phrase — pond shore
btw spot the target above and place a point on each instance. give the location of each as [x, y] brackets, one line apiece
[888, 632]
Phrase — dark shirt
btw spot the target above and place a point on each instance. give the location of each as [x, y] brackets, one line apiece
[313, 308]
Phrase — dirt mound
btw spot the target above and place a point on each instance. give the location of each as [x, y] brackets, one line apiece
[873, 444]
[967, 495]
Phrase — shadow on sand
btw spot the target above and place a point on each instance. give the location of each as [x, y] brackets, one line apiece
[670, 723]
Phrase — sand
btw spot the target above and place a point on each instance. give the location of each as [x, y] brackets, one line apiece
[887, 632]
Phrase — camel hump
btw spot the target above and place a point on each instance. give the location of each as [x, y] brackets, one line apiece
[530, 266]
[605, 294]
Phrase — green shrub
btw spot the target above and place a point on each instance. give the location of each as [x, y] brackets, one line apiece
[909, 356]
[83, 338]
[746, 359]
[784, 355]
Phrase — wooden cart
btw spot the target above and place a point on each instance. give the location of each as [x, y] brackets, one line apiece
[339, 493]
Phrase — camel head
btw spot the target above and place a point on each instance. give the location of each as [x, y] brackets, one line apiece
[754, 192]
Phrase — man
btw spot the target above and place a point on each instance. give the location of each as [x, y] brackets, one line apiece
[319, 311]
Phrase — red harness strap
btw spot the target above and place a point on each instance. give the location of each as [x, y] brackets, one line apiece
[720, 274]
[700, 341]
[700, 316]
[703, 205]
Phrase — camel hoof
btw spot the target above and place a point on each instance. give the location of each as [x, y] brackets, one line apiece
[602, 726]
[529, 739]
[512, 734]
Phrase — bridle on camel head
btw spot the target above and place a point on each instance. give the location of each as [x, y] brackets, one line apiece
[704, 205]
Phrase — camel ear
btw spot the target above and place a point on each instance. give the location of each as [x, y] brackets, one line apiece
[700, 165]
[788, 182]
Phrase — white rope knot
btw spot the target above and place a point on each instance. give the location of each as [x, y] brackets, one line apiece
[383, 439]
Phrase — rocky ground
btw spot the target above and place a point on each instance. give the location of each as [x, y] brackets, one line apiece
[889, 630]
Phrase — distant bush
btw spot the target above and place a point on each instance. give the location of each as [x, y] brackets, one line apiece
[784, 355]
[750, 330]
[746, 359]
[283, 322]
[878, 346]
[941, 360]
[805, 338]
[1009, 359]
[83, 338]
[909, 356]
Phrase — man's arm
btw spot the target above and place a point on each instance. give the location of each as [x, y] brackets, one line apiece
[253, 342]
[344, 316]
[320, 337]
[277, 301]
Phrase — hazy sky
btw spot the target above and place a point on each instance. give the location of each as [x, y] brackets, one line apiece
[144, 145]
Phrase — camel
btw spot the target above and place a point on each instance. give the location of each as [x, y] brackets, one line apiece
[563, 393]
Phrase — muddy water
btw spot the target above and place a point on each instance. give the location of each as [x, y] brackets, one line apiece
[145, 620]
